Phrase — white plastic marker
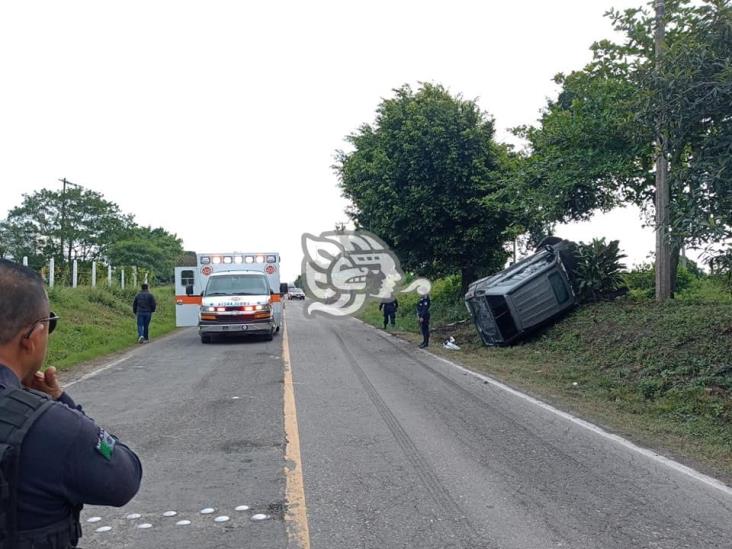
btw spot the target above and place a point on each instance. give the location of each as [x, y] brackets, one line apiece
[169, 514]
[144, 526]
[183, 523]
[103, 529]
[133, 516]
[94, 519]
[260, 517]
[222, 518]
[207, 511]
[242, 508]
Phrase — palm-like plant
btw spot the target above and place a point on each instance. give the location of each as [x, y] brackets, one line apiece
[598, 273]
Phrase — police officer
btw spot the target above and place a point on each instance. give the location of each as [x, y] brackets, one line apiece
[423, 316]
[389, 307]
[58, 458]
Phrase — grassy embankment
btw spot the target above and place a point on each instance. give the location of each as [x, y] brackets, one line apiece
[97, 322]
[660, 375]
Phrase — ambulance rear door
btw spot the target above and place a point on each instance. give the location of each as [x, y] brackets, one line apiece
[187, 296]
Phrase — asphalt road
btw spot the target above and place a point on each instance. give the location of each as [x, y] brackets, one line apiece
[398, 449]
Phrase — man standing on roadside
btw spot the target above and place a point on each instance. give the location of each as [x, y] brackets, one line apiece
[389, 308]
[423, 316]
[53, 457]
[144, 306]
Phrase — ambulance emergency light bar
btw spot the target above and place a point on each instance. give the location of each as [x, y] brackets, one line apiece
[237, 259]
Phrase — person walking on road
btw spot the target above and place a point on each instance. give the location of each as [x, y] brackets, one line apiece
[53, 457]
[423, 316]
[144, 306]
[389, 308]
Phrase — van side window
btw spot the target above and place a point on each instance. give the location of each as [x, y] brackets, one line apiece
[186, 278]
[560, 290]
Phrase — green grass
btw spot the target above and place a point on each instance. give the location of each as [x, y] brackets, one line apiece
[98, 321]
[658, 374]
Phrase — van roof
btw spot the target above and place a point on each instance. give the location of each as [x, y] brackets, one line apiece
[238, 273]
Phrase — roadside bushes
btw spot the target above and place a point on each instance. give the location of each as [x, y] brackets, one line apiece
[598, 271]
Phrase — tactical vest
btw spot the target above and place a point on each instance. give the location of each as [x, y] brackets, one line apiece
[19, 409]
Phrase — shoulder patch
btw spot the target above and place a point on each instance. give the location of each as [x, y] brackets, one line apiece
[105, 444]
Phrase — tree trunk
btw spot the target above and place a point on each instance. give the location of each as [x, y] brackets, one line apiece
[467, 277]
[675, 253]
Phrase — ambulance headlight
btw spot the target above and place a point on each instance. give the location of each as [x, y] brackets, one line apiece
[207, 309]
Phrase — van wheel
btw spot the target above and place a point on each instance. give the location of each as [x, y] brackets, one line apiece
[205, 339]
[269, 336]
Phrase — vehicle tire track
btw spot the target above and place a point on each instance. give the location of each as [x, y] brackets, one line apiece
[458, 522]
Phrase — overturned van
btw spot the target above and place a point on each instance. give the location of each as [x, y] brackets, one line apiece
[530, 293]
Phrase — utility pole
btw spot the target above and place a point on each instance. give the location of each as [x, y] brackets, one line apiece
[63, 217]
[663, 247]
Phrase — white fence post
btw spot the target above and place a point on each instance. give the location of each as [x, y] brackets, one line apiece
[122, 278]
[25, 261]
[51, 272]
[134, 277]
[109, 276]
[94, 274]
[74, 274]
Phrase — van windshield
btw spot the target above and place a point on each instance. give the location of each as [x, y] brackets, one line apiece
[237, 285]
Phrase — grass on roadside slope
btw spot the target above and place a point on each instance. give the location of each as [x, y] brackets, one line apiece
[658, 374]
[99, 321]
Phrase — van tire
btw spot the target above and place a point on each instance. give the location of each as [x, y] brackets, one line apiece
[269, 336]
[205, 339]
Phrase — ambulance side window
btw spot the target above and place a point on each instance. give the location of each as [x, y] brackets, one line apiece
[187, 280]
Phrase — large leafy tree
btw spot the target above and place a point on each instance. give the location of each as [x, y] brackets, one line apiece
[78, 224]
[419, 177]
[595, 148]
[81, 224]
[154, 250]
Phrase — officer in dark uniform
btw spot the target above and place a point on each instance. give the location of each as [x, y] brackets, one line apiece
[423, 316]
[53, 457]
[389, 307]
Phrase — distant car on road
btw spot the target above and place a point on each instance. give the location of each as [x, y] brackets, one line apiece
[296, 293]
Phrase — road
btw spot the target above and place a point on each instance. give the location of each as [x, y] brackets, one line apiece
[397, 448]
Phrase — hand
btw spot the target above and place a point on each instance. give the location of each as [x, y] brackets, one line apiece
[419, 318]
[46, 382]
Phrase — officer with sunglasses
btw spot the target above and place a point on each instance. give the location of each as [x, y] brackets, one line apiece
[53, 458]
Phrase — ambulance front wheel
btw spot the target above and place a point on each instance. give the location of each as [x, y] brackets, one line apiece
[269, 336]
[205, 339]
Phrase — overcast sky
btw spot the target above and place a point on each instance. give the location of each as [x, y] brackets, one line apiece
[219, 120]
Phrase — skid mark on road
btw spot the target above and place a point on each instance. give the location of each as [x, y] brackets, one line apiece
[457, 519]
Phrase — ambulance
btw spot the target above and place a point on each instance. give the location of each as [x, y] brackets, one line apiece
[230, 293]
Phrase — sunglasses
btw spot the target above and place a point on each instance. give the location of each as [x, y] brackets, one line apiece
[52, 320]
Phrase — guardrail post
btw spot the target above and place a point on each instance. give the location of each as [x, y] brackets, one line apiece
[74, 274]
[94, 274]
[51, 272]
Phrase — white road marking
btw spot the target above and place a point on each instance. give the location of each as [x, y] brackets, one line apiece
[671, 464]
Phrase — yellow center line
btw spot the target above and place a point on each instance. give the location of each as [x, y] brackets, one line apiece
[296, 517]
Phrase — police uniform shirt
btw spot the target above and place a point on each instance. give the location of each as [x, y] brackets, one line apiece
[67, 460]
[423, 307]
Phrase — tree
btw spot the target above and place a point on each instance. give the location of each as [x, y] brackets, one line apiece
[90, 225]
[154, 250]
[419, 178]
[595, 149]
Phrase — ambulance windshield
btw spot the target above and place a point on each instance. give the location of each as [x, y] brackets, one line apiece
[237, 285]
